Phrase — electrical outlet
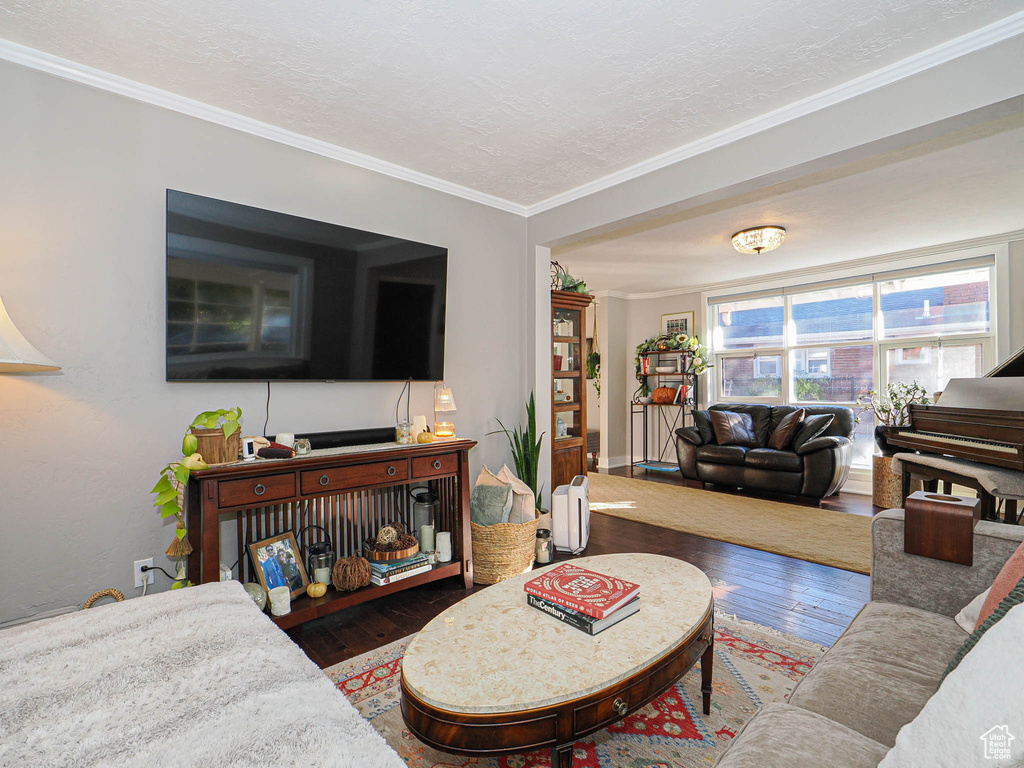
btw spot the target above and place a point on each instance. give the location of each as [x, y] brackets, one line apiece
[143, 577]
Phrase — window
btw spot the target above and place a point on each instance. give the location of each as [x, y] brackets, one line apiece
[831, 345]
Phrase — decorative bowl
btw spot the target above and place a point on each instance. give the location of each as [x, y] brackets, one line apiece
[645, 400]
[665, 369]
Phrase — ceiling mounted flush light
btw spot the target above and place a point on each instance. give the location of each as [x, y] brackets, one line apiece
[758, 239]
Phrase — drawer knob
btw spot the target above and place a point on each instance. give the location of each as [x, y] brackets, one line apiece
[437, 464]
[391, 471]
[260, 489]
[324, 479]
[620, 707]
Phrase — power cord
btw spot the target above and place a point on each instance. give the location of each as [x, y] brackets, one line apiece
[145, 568]
[267, 420]
[406, 387]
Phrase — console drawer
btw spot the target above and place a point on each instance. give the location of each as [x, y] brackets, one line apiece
[338, 478]
[435, 466]
[603, 712]
[255, 491]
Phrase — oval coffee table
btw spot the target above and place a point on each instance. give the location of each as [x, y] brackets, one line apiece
[492, 675]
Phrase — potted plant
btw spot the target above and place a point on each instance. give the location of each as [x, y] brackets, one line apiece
[525, 445]
[212, 427]
[697, 358]
[892, 410]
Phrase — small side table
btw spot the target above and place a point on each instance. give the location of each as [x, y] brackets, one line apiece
[886, 485]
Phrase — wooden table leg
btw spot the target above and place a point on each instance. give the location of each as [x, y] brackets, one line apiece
[561, 756]
[707, 662]
[1010, 511]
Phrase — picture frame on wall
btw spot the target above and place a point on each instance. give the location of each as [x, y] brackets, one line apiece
[678, 322]
[278, 563]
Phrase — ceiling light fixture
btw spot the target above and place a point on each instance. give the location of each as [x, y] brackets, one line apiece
[758, 239]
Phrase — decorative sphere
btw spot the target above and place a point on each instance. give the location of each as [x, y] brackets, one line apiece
[258, 594]
[351, 573]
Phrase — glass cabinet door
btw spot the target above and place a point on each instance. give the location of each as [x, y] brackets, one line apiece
[567, 372]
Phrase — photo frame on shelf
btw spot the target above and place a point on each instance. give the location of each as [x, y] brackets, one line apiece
[278, 563]
[678, 322]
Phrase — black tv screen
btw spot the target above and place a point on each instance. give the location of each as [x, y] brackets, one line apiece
[254, 295]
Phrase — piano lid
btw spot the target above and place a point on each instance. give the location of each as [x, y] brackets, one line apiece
[986, 394]
[1011, 366]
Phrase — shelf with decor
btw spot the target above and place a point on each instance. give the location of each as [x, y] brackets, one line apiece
[568, 402]
[658, 417]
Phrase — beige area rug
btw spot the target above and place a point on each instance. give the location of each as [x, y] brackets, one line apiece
[821, 536]
[754, 666]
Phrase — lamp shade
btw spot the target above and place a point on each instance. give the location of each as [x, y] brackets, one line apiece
[17, 355]
[444, 400]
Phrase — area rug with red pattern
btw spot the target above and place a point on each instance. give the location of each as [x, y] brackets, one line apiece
[754, 665]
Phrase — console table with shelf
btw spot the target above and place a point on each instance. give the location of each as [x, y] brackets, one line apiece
[659, 421]
[351, 492]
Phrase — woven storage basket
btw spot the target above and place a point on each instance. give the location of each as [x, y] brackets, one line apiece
[503, 550]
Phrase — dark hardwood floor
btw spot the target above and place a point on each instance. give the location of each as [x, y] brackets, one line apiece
[812, 601]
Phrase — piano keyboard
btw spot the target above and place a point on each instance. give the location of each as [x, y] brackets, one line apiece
[960, 442]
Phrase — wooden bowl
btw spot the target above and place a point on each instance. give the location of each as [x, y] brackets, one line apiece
[378, 556]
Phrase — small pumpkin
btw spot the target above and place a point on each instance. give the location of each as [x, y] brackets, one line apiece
[351, 573]
[316, 589]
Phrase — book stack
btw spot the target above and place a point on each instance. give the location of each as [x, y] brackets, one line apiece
[385, 573]
[584, 599]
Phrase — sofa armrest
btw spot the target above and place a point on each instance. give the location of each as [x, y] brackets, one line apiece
[935, 585]
[687, 440]
[821, 443]
[690, 435]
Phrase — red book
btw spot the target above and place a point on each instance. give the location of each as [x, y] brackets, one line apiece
[583, 590]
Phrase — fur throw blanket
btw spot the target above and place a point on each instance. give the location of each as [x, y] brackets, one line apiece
[193, 677]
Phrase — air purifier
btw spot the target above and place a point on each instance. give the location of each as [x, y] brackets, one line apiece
[570, 515]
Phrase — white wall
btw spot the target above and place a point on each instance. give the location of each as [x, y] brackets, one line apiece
[1016, 295]
[82, 274]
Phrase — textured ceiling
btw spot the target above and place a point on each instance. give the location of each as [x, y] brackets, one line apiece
[924, 196]
[519, 99]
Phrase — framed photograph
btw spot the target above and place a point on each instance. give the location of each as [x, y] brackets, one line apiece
[278, 563]
[678, 322]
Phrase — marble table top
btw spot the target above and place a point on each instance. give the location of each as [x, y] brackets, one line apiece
[492, 652]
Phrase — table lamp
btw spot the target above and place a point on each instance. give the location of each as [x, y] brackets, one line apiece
[444, 403]
[17, 355]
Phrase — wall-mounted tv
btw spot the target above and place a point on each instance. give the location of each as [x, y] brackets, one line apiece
[254, 295]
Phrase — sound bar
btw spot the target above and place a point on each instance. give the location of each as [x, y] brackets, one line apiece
[347, 437]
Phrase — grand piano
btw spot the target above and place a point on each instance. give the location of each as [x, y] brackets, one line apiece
[980, 420]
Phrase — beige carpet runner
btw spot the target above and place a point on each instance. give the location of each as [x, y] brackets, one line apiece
[821, 536]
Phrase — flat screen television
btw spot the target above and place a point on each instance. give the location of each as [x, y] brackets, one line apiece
[254, 295]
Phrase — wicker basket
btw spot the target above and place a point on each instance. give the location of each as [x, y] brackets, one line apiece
[503, 550]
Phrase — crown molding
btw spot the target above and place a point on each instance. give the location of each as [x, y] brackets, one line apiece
[96, 78]
[824, 269]
[981, 38]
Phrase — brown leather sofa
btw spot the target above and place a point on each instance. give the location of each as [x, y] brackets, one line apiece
[816, 469]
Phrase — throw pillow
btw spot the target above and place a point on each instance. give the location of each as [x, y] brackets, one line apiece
[1010, 575]
[1013, 599]
[702, 421]
[786, 431]
[733, 428]
[811, 428]
[490, 504]
[524, 505]
[968, 616]
[970, 712]
[486, 477]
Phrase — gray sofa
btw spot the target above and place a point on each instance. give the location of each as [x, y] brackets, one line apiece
[847, 710]
[816, 470]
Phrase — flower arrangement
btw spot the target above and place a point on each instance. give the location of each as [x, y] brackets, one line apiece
[893, 408]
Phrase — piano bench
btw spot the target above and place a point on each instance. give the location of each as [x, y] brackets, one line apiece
[931, 475]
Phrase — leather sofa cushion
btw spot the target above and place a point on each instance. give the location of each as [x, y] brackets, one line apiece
[784, 736]
[811, 428]
[733, 428]
[879, 674]
[761, 415]
[702, 421]
[786, 430]
[721, 454]
[766, 458]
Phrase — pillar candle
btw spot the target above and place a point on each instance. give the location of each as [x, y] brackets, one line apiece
[427, 538]
[419, 424]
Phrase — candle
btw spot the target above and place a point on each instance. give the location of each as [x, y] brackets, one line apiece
[323, 575]
[427, 538]
[419, 424]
